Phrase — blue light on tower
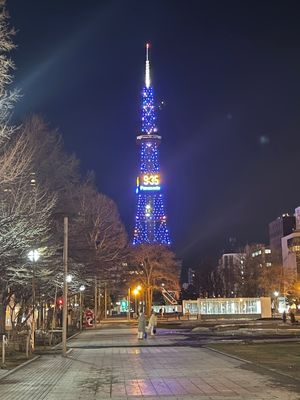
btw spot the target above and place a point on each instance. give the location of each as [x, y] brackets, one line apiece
[150, 220]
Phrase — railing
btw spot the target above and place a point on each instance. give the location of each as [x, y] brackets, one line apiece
[169, 297]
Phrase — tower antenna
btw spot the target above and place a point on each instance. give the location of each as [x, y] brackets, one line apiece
[147, 71]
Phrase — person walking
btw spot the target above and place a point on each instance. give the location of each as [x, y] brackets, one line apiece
[141, 326]
[284, 317]
[152, 324]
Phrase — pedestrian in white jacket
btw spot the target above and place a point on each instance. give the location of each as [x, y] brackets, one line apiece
[152, 324]
[141, 326]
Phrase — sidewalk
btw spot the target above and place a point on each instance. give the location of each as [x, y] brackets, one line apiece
[95, 370]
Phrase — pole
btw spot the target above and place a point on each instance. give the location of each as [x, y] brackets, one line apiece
[99, 303]
[65, 297]
[96, 302]
[80, 311]
[128, 299]
[105, 302]
[4, 341]
[33, 307]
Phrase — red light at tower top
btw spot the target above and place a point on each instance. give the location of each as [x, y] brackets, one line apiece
[147, 52]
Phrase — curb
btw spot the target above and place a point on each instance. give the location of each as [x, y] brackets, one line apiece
[252, 363]
[228, 355]
[11, 371]
[69, 338]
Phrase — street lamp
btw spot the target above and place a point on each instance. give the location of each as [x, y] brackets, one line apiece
[33, 256]
[276, 294]
[136, 292]
[81, 290]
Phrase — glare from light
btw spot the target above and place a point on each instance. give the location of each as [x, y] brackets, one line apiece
[33, 255]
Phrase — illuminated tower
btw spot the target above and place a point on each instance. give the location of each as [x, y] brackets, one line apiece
[150, 220]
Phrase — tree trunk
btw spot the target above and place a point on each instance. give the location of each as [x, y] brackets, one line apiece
[148, 301]
[2, 317]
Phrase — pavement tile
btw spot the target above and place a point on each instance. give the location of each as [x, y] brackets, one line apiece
[160, 386]
[96, 372]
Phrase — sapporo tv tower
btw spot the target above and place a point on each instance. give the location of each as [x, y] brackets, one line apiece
[150, 220]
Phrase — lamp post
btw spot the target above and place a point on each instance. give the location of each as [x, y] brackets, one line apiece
[276, 294]
[128, 303]
[65, 288]
[136, 292]
[33, 256]
[81, 290]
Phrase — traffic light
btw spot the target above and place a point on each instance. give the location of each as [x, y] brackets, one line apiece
[60, 301]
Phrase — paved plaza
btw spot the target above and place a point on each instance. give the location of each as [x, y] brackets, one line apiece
[112, 363]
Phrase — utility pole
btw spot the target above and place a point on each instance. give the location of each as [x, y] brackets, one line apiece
[96, 302]
[33, 308]
[65, 297]
[105, 302]
[128, 301]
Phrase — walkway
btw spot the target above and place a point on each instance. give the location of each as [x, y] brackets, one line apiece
[124, 370]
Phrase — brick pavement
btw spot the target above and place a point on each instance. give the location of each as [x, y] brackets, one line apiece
[122, 370]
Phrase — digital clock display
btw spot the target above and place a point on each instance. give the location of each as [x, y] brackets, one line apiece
[148, 182]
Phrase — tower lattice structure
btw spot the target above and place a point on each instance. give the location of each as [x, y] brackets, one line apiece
[151, 219]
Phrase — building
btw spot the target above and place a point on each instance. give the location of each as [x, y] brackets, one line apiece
[151, 219]
[290, 245]
[230, 271]
[243, 307]
[191, 276]
[280, 227]
[291, 256]
[261, 254]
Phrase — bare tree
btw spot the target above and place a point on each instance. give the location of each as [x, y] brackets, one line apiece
[7, 97]
[24, 223]
[24, 214]
[54, 168]
[270, 279]
[153, 265]
[97, 235]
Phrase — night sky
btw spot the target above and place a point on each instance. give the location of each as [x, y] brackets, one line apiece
[229, 74]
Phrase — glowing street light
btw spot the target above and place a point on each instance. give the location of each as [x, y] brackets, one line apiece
[81, 290]
[69, 278]
[33, 256]
[276, 294]
[136, 292]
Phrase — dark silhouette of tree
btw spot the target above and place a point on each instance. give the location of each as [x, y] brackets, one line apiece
[152, 266]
